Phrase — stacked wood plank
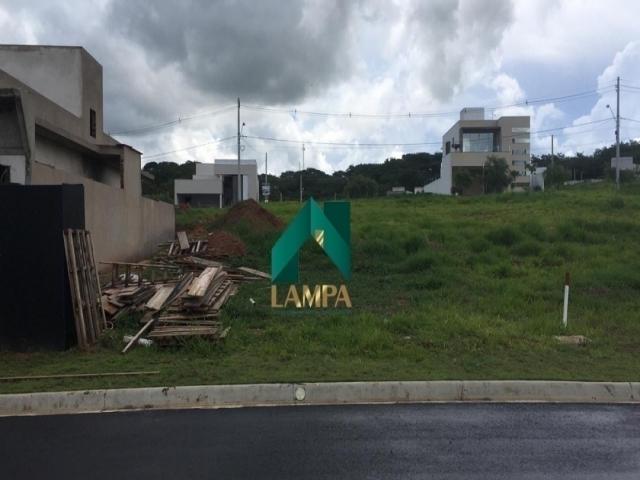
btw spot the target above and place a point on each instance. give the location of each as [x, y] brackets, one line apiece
[184, 246]
[186, 305]
[84, 284]
[185, 309]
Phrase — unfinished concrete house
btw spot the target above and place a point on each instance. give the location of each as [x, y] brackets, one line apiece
[51, 133]
[58, 171]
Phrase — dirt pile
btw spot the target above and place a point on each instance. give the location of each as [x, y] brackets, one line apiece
[251, 213]
[199, 232]
[224, 244]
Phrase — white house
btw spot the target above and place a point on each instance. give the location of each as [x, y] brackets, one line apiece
[216, 184]
[472, 139]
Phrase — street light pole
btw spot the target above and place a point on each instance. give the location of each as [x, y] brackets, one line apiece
[618, 133]
[239, 186]
[301, 169]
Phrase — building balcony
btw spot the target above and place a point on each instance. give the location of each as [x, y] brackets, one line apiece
[472, 159]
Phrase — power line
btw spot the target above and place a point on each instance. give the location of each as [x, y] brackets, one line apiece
[295, 111]
[181, 119]
[568, 126]
[363, 144]
[347, 144]
[162, 154]
[562, 98]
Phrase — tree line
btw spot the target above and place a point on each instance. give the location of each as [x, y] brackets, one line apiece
[363, 180]
[375, 179]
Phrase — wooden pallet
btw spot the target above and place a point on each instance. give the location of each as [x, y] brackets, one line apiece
[84, 283]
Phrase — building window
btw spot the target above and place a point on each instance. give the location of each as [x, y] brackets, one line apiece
[5, 175]
[477, 142]
[447, 148]
[92, 122]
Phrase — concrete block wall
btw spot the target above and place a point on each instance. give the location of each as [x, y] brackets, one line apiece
[124, 226]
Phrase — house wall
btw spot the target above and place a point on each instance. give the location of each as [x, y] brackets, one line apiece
[54, 72]
[16, 166]
[200, 199]
[60, 157]
[124, 227]
[248, 171]
[442, 186]
[210, 186]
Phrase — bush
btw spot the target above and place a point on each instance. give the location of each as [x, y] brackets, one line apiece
[534, 229]
[505, 236]
[528, 248]
[413, 244]
[418, 262]
[616, 203]
[361, 186]
[573, 232]
[502, 270]
[555, 175]
[376, 246]
[479, 245]
[497, 175]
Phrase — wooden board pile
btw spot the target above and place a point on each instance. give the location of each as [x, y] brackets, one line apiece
[184, 246]
[185, 305]
[186, 308]
[84, 285]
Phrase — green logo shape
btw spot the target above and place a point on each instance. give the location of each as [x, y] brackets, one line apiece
[330, 228]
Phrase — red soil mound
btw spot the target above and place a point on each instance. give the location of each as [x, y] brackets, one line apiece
[251, 213]
[225, 244]
[199, 232]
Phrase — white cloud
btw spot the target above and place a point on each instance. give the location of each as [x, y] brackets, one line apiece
[626, 65]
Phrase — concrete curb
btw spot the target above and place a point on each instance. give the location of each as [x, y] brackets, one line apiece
[224, 396]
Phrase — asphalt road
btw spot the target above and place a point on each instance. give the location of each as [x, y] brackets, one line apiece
[375, 441]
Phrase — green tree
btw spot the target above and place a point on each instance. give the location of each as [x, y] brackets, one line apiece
[360, 186]
[497, 175]
[462, 180]
[555, 175]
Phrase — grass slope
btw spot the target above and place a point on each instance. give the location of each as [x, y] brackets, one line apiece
[442, 288]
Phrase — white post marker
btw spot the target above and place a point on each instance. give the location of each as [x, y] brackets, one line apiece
[567, 279]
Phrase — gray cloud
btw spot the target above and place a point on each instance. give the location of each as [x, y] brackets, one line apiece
[270, 51]
[459, 39]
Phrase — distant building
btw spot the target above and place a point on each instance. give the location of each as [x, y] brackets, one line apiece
[472, 139]
[215, 184]
[536, 179]
[397, 191]
[626, 163]
[51, 133]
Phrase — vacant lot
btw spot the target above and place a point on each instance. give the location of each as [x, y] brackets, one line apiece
[442, 288]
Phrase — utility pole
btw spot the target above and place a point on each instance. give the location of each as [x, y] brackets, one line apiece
[302, 168]
[552, 160]
[239, 188]
[266, 177]
[618, 133]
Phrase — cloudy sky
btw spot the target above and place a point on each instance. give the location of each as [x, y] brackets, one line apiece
[371, 62]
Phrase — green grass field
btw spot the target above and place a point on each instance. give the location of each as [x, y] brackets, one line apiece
[442, 288]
